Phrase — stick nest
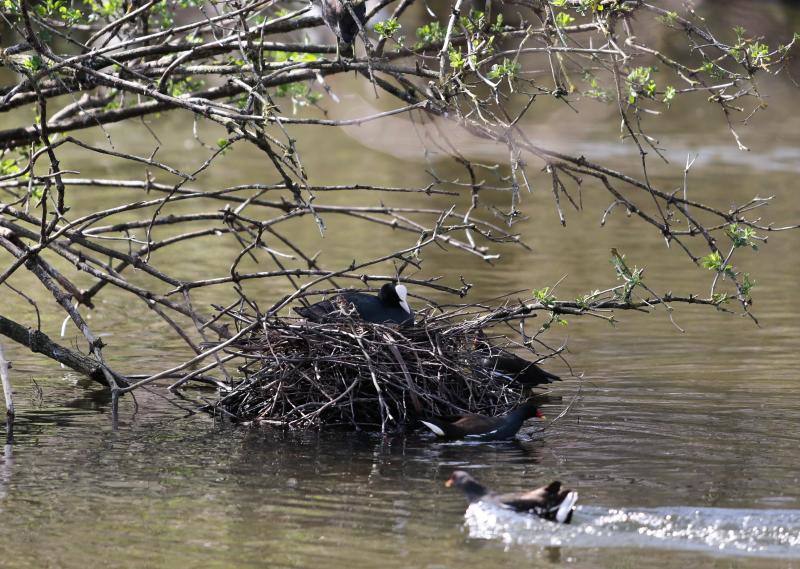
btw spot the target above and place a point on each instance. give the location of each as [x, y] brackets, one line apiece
[353, 374]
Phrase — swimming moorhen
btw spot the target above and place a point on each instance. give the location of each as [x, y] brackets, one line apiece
[549, 502]
[481, 427]
[502, 363]
[390, 306]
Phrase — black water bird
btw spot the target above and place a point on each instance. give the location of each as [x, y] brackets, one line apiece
[338, 17]
[389, 307]
[480, 427]
[509, 365]
[550, 502]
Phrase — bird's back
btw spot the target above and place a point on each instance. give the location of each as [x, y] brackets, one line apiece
[318, 312]
[514, 368]
[373, 309]
[349, 27]
[550, 502]
[368, 308]
[338, 18]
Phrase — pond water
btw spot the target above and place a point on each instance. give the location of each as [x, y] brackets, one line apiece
[684, 447]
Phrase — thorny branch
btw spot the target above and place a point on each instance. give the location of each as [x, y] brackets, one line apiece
[225, 64]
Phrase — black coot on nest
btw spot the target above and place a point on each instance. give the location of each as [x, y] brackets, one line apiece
[389, 307]
[481, 427]
[549, 502]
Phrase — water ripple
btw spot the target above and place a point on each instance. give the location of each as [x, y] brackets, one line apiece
[726, 531]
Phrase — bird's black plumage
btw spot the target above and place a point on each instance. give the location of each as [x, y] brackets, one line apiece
[510, 365]
[480, 427]
[550, 502]
[338, 18]
[389, 307]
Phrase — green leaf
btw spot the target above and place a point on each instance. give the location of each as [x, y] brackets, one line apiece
[741, 236]
[185, 86]
[8, 166]
[747, 286]
[563, 19]
[507, 69]
[712, 261]
[294, 56]
[429, 33]
[759, 53]
[719, 298]
[475, 21]
[457, 60]
[669, 94]
[545, 296]
[33, 63]
[631, 277]
[388, 28]
[11, 7]
[640, 82]
[37, 192]
[669, 19]
[497, 27]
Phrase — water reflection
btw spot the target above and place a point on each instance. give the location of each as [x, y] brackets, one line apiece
[6, 468]
[191, 490]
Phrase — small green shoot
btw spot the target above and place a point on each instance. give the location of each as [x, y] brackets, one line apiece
[563, 19]
[669, 95]
[9, 166]
[506, 69]
[670, 19]
[758, 54]
[387, 29]
[640, 82]
[457, 60]
[741, 236]
[33, 63]
[719, 298]
[747, 286]
[714, 262]
[545, 296]
[631, 277]
[429, 33]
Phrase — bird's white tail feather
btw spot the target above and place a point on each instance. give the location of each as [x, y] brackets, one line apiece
[436, 430]
[566, 507]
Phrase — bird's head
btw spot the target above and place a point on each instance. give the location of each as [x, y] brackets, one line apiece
[395, 294]
[530, 409]
[473, 489]
[459, 479]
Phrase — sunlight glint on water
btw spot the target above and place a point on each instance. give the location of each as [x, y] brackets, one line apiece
[769, 533]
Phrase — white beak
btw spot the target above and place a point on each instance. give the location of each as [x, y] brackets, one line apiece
[402, 294]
